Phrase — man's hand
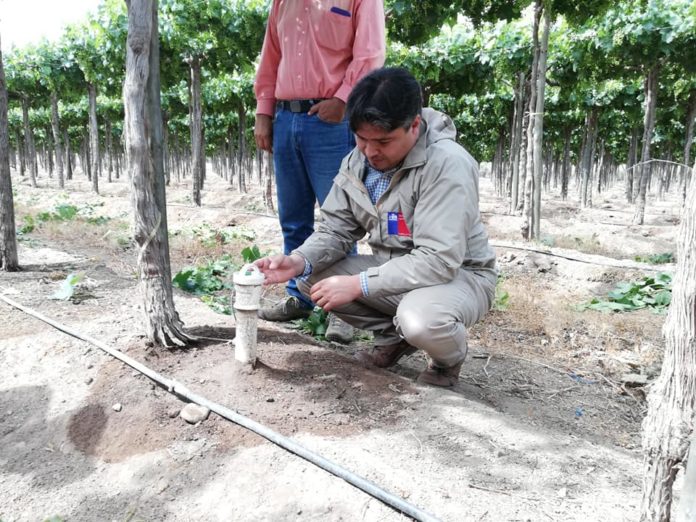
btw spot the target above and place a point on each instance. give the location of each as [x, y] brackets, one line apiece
[263, 132]
[331, 110]
[336, 291]
[280, 268]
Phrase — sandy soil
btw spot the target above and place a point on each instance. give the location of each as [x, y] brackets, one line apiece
[540, 427]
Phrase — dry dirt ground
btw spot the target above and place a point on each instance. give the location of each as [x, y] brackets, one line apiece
[540, 427]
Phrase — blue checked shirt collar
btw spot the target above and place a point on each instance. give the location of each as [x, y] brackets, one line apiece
[377, 182]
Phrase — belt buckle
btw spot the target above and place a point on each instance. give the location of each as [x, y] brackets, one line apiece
[295, 106]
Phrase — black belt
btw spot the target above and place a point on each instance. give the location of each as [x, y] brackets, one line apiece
[297, 105]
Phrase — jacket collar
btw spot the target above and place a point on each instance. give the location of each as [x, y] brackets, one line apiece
[417, 155]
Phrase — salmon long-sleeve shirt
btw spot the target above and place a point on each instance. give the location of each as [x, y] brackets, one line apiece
[318, 49]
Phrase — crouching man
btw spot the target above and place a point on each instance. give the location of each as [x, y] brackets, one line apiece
[413, 190]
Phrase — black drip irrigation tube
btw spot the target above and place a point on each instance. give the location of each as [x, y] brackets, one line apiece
[178, 389]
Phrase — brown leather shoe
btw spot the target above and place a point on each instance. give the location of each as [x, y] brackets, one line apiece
[385, 356]
[437, 376]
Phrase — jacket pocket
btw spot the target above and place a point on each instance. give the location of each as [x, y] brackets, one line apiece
[335, 31]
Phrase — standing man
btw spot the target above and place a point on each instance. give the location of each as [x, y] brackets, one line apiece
[414, 191]
[314, 52]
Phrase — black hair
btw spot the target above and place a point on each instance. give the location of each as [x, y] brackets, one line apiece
[389, 98]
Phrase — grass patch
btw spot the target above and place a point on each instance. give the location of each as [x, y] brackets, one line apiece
[210, 237]
[585, 244]
[502, 296]
[28, 225]
[78, 224]
[61, 213]
[657, 259]
[189, 245]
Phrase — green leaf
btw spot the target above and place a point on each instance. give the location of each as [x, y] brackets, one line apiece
[28, 225]
[65, 212]
[649, 292]
[616, 295]
[502, 298]
[320, 330]
[315, 325]
[251, 254]
[663, 298]
[664, 277]
[184, 281]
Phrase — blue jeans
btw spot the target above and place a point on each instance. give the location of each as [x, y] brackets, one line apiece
[307, 154]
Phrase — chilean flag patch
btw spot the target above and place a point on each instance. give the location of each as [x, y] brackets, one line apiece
[396, 225]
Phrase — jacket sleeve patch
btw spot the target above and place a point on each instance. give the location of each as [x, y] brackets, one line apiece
[396, 225]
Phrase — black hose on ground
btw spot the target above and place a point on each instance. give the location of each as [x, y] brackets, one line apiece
[180, 390]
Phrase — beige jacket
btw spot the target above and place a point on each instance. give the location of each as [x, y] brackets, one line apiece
[436, 192]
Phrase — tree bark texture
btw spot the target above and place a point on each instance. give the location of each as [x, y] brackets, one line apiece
[21, 153]
[196, 126]
[8, 240]
[143, 136]
[599, 166]
[547, 170]
[687, 504]
[93, 137]
[523, 163]
[643, 169]
[117, 163]
[30, 149]
[565, 172]
[529, 164]
[84, 156]
[539, 126]
[630, 171]
[203, 154]
[57, 146]
[587, 156]
[671, 402]
[109, 150]
[690, 120]
[49, 149]
[232, 158]
[518, 122]
[68, 156]
[241, 181]
[497, 170]
[167, 152]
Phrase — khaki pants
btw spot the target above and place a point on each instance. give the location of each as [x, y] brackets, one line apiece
[433, 318]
